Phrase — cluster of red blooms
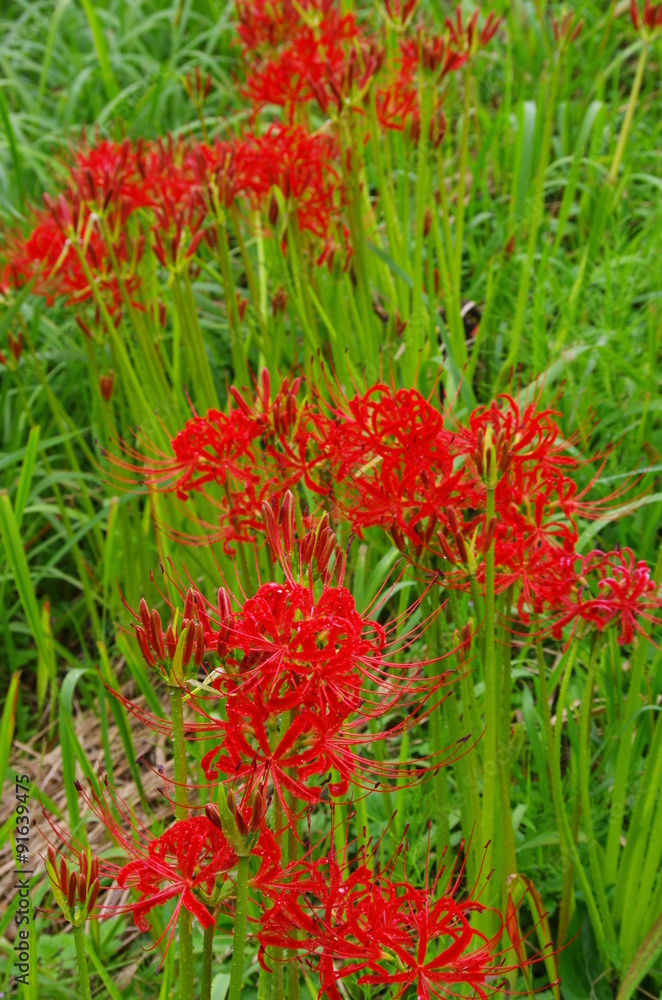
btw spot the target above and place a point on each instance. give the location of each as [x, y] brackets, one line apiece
[311, 53]
[649, 19]
[303, 682]
[445, 491]
[298, 650]
[80, 245]
[348, 917]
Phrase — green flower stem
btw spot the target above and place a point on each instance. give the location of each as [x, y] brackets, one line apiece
[81, 959]
[127, 366]
[237, 347]
[239, 938]
[568, 886]
[490, 763]
[461, 186]
[181, 812]
[250, 273]
[629, 114]
[202, 371]
[544, 702]
[504, 683]
[181, 776]
[452, 299]
[278, 987]
[207, 959]
[584, 778]
[566, 838]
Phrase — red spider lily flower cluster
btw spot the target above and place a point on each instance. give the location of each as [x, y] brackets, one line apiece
[75, 892]
[190, 863]
[391, 459]
[81, 245]
[298, 651]
[324, 56]
[649, 19]
[351, 918]
[253, 453]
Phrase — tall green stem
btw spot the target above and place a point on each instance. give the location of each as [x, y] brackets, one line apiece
[239, 939]
[597, 873]
[491, 779]
[629, 114]
[81, 959]
[207, 959]
[566, 838]
[181, 812]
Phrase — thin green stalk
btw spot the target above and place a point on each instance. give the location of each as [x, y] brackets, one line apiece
[629, 114]
[584, 778]
[181, 812]
[566, 839]
[81, 960]
[239, 937]
[202, 370]
[491, 781]
[207, 959]
[568, 886]
[278, 982]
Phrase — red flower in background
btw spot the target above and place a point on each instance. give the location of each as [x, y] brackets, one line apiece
[304, 168]
[315, 54]
[347, 919]
[255, 452]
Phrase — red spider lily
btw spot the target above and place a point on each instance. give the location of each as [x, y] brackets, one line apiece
[255, 452]
[389, 454]
[316, 55]
[185, 864]
[348, 920]
[302, 166]
[65, 255]
[650, 18]
[266, 24]
[302, 674]
[400, 12]
[75, 892]
[466, 37]
[611, 588]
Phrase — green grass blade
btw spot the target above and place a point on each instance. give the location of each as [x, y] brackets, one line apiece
[7, 723]
[102, 49]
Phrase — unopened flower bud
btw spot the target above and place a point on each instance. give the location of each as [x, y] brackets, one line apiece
[144, 647]
[144, 617]
[189, 604]
[188, 638]
[170, 642]
[157, 635]
[213, 815]
[82, 888]
[199, 645]
[72, 890]
[93, 893]
[287, 520]
[270, 529]
[308, 547]
[257, 811]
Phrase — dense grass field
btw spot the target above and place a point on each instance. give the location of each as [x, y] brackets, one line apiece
[476, 229]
